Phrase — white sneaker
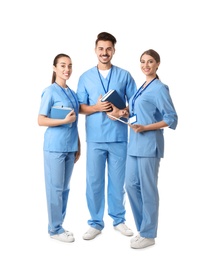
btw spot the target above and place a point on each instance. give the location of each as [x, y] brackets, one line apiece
[64, 237]
[139, 242]
[91, 233]
[135, 238]
[124, 229]
[69, 233]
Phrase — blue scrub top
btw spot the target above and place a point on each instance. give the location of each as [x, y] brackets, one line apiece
[152, 106]
[62, 138]
[99, 128]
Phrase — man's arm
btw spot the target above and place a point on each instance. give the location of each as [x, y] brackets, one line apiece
[98, 107]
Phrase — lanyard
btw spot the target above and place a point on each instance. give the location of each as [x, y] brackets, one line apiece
[102, 81]
[138, 93]
[69, 97]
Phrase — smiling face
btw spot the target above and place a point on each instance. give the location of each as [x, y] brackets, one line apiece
[104, 51]
[149, 66]
[63, 69]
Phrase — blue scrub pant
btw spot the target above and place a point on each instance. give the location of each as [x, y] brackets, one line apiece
[141, 185]
[102, 156]
[58, 170]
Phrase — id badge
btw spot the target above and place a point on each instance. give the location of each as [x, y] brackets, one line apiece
[133, 119]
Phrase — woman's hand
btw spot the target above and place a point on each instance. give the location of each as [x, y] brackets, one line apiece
[70, 118]
[78, 153]
[137, 128]
[77, 156]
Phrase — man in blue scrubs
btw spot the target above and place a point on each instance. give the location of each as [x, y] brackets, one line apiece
[106, 139]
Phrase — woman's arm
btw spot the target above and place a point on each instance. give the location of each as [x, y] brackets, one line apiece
[46, 121]
[142, 128]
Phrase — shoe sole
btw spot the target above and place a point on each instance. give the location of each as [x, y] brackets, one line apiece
[60, 240]
[92, 237]
[142, 247]
[128, 235]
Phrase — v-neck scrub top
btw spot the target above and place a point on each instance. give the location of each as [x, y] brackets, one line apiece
[100, 128]
[152, 106]
[62, 138]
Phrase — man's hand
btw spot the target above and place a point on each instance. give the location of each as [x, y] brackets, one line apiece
[116, 112]
[104, 106]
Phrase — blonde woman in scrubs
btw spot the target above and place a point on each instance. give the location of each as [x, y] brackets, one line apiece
[61, 146]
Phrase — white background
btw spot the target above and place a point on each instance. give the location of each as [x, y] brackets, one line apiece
[32, 34]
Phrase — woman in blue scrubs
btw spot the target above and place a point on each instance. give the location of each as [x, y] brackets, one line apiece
[61, 145]
[150, 110]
